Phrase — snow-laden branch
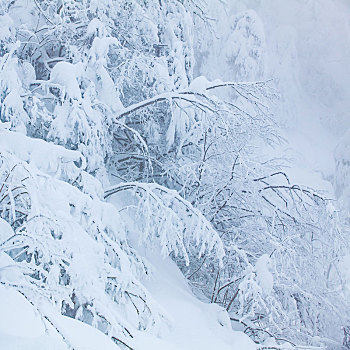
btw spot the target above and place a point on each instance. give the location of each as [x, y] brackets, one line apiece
[200, 90]
[173, 220]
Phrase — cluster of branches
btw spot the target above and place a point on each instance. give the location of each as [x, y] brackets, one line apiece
[203, 147]
[189, 153]
[49, 220]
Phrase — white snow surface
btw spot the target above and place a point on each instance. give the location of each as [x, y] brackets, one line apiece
[5, 230]
[296, 44]
[21, 327]
[264, 275]
[195, 325]
[48, 158]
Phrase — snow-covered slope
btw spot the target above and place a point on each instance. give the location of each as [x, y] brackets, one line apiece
[22, 327]
[30, 320]
[194, 324]
[94, 91]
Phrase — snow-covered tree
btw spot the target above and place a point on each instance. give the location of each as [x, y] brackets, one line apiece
[98, 100]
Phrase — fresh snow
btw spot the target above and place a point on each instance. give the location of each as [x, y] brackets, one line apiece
[188, 117]
[21, 327]
[194, 324]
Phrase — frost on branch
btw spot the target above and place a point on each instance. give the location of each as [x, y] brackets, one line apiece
[180, 228]
[69, 248]
[106, 88]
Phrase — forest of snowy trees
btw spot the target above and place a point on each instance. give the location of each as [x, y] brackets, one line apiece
[123, 137]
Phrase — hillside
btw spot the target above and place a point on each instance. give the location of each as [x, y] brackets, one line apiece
[174, 175]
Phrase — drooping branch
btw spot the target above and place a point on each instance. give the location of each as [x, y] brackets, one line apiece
[193, 97]
[173, 205]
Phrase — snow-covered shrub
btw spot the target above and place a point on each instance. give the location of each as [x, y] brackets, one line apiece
[180, 228]
[70, 247]
[106, 88]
